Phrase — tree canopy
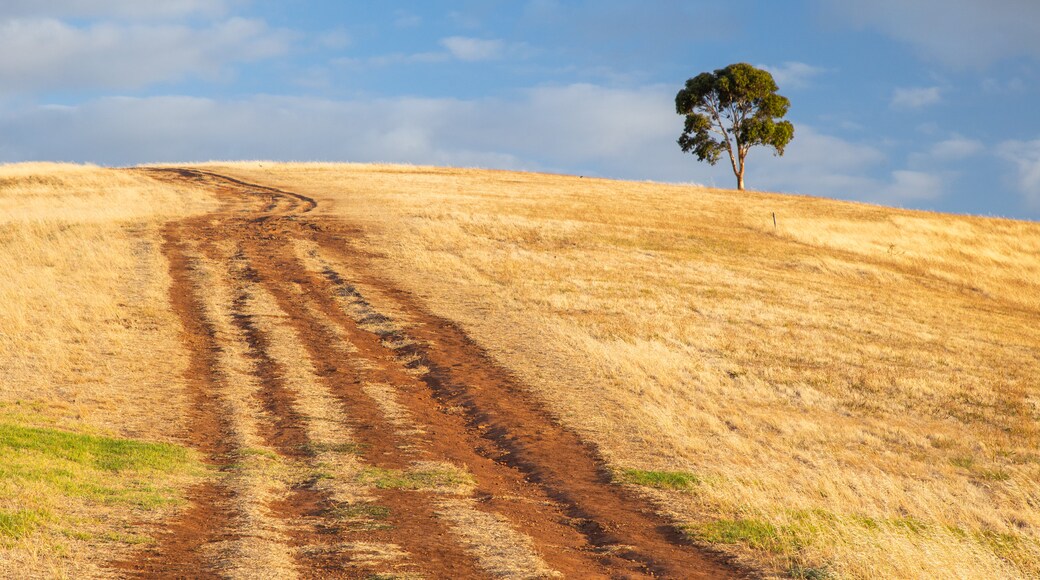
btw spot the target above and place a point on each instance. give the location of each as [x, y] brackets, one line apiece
[731, 110]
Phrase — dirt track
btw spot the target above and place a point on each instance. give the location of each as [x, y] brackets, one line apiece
[406, 386]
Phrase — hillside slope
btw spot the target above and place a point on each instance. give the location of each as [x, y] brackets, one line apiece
[316, 370]
[852, 393]
[91, 395]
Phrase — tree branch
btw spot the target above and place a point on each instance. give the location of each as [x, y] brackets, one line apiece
[714, 106]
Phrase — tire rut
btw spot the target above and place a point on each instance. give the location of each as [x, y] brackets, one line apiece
[413, 522]
[209, 518]
[503, 423]
[542, 477]
[284, 431]
[409, 517]
[448, 437]
[312, 529]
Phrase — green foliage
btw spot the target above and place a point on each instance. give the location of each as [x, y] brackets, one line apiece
[660, 479]
[730, 111]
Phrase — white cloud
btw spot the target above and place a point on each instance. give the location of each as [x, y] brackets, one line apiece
[131, 9]
[795, 75]
[916, 97]
[1003, 87]
[1025, 155]
[41, 54]
[334, 39]
[906, 186]
[821, 164]
[406, 19]
[955, 149]
[473, 49]
[574, 128]
[945, 158]
[957, 33]
[133, 130]
[818, 164]
[456, 48]
[393, 59]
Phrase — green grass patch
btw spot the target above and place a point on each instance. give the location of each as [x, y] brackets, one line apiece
[348, 448]
[247, 452]
[45, 471]
[750, 532]
[866, 522]
[809, 572]
[101, 453]
[362, 516]
[18, 524]
[361, 510]
[993, 475]
[910, 524]
[414, 479]
[101, 469]
[1003, 544]
[680, 480]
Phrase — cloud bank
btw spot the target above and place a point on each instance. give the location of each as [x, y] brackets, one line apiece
[125, 9]
[47, 54]
[1025, 156]
[957, 33]
[573, 129]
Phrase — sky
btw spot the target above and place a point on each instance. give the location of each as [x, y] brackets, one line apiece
[929, 104]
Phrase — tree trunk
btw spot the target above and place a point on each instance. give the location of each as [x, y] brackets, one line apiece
[739, 170]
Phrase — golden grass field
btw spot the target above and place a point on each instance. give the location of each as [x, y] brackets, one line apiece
[90, 363]
[852, 394]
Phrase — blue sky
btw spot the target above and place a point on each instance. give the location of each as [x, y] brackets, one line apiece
[928, 104]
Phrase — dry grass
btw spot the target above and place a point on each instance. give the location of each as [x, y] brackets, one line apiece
[502, 551]
[851, 395]
[84, 297]
[89, 356]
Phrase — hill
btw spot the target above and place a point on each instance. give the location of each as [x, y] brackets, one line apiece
[848, 393]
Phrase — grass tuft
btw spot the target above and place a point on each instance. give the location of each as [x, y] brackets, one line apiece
[753, 533]
[19, 524]
[809, 572]
[680, 480]
[444, 478]
[360, 510]
[347, 448]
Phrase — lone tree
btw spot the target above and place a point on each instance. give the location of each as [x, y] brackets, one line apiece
[732, 110]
